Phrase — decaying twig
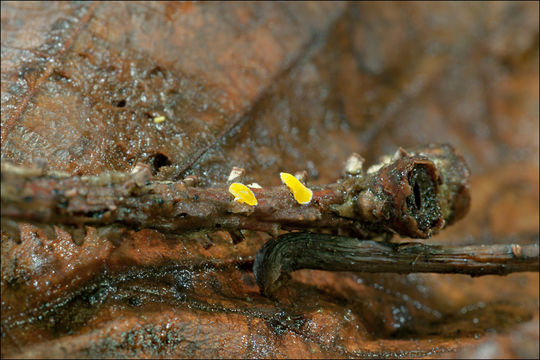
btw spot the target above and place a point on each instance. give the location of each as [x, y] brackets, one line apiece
[295, 251]
[412, 194]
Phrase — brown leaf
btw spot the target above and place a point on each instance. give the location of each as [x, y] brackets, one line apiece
[268, 87]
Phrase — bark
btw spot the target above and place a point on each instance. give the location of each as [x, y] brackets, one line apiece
[295, 251]
[413, 194]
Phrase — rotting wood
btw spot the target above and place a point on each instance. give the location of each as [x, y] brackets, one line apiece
[294, 251]
[413, 194]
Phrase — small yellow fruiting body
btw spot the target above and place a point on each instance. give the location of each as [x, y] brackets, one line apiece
[300, 192]
[159, 119]
[243, 194]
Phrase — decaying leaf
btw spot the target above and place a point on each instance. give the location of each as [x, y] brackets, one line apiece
[268, 87]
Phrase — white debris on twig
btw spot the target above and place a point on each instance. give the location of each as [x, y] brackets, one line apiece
[236, 173]
[354, 164]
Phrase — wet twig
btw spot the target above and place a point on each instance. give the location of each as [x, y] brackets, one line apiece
[294, 251]
[412, 194]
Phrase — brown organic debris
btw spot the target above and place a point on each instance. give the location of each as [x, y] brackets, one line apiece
[295, 251]
[269, 87]
[415, 195]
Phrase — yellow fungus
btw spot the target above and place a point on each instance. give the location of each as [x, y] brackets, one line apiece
[159, 119]
[301, 193]
[243, 194]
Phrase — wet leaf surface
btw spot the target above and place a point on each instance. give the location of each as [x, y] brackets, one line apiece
[268, 87]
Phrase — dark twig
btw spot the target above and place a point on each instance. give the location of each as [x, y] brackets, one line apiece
[294, 251]
[412, 194]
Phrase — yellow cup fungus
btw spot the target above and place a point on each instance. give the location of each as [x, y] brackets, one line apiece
[243, 194]
[301, 193]
[159, 119]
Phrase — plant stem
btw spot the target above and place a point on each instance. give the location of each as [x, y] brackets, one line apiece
[414, 194]
[294, 251]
